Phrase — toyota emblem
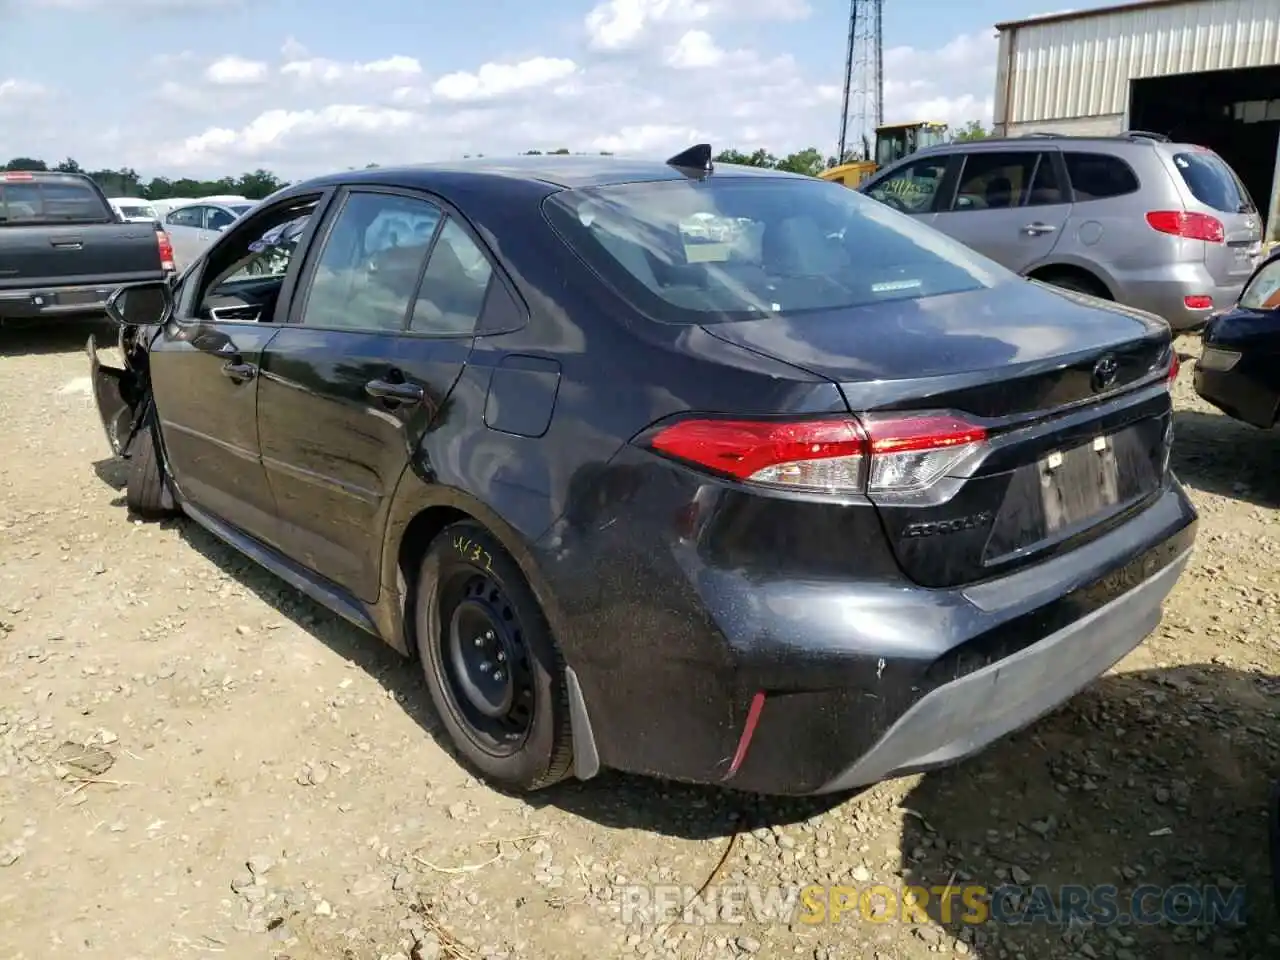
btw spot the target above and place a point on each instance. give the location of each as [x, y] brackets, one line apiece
[1104, 373]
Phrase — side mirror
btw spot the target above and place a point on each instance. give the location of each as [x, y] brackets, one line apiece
[141, 304]
[223, 228]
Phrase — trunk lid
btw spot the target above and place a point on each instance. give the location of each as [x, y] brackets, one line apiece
[1070, 390]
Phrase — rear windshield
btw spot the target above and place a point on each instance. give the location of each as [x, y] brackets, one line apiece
[136, 211]
[34, 202]
[1213, 182]
[240, 209]
[742, 247]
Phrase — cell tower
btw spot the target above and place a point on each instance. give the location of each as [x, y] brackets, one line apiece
[863, 107]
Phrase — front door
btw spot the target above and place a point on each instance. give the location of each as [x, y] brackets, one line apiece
[374, 346]
[205, 366]
[1009, 206]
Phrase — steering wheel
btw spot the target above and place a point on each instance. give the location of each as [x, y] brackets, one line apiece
[893, 201]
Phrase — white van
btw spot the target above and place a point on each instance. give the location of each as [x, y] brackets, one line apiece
[133, 210]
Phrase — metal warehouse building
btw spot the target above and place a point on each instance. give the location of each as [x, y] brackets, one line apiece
[1201, 71]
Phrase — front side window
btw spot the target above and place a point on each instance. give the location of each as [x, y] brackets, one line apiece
[914, 188]
[262, 254]
[744, 248]
[1263, 292]
[371, 263]
[186, 217]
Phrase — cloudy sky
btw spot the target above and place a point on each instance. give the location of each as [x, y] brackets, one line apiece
[212, 87]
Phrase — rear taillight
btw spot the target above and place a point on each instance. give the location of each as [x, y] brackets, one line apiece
[1189, 226]
[14, 176]
[166, 250]
[877, 453]
[1175, 367]
[1197, 302]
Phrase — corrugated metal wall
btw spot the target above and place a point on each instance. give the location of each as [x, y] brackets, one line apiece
[1081, 68]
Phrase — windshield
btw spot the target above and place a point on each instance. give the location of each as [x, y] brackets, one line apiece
[1212, 182]
[738, 247]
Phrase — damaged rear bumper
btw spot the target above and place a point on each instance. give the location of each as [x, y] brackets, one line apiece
[114, 394]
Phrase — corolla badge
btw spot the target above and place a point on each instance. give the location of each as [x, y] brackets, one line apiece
[1105, 372]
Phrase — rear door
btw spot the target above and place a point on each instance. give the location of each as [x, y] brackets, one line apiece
[1009, 206]
[378, 336]
[1212, 187]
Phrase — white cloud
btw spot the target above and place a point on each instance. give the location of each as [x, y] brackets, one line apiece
[622, 24]
[234, 71]
[268, 131]
[132, 6]
[14, 90]
[322, 71]
[332, 114]
[694, 50]
[495, 80]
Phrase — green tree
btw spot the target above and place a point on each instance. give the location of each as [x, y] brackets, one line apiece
[807, 161]
[760, 158]
[26, 163]
[973, 130]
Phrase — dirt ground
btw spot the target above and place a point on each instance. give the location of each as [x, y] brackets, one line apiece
[196, 760]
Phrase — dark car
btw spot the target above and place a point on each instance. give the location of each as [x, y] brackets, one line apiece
[63, 250]
[1239, 368]
[719, 475]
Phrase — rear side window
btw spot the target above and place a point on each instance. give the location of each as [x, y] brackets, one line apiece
[1099, 176]
[748, 247]
[41, 202]
[1212, 182]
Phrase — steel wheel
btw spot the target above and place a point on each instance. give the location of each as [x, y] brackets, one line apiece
[486, 663]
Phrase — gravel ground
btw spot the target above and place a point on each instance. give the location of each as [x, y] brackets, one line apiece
[195, 759]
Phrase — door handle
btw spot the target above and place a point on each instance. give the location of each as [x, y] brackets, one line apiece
[399, 392]
[67, 244]
[1037, 228]
[239, 372]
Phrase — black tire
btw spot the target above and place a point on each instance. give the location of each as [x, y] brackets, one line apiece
[146, 493]
[470, 589]
[1077, 284]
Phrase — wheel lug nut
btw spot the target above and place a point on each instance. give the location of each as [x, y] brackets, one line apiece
[486, 667]
[498, 675]
[488, 635]
[501, 656]
[478, 641]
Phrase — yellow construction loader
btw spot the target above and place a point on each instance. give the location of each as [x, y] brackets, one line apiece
[893, 142]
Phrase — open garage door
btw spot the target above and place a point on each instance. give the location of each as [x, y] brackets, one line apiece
[1234, 112]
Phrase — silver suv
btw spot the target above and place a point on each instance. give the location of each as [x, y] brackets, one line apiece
[1165, 227]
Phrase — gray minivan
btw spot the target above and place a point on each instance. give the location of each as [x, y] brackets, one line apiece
[1162, 226]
